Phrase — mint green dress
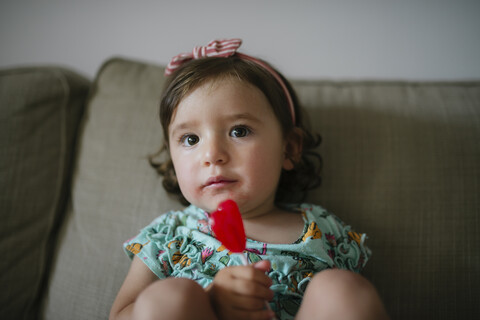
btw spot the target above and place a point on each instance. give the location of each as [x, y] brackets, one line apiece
[181, 244]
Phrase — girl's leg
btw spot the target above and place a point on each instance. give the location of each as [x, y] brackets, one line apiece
[173, 299]
[341, 294]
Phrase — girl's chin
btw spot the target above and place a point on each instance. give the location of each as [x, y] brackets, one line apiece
[212, 204]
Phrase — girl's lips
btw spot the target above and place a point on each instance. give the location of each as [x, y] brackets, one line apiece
[218, 181]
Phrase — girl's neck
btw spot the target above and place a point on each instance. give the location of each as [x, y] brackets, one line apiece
[277, 226]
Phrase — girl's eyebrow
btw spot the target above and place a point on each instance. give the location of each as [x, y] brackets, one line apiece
[182, 126]
[236, 116]
[246, 116]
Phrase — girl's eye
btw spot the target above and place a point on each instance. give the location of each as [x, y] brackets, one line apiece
[189, 140]
[240, 132]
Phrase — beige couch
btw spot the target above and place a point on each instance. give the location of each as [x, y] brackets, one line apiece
[401, 162]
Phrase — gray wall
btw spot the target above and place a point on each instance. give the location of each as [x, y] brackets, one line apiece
[338, 39]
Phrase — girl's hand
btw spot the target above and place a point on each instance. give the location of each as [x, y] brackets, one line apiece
[240, 292]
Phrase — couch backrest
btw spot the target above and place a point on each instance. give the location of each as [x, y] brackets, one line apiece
[401, 162]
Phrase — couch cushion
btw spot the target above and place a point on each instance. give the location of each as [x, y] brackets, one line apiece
[40, 110]
[115, 191]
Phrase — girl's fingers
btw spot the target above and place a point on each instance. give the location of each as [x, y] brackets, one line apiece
[251, 273]
[263, 265]
[247, 303]
[241, 288]
[251, 288]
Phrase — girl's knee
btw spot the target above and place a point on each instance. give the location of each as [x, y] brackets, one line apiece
[344, 291]
[341, 281]
[343, 286]
[170, 298]
[173, 288]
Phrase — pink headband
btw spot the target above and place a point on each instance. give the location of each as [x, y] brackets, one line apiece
[224, 49]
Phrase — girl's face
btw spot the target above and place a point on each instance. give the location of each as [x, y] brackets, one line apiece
[226, 143]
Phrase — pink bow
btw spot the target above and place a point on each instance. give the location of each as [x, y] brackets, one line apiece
[216, 48]
[224, 49]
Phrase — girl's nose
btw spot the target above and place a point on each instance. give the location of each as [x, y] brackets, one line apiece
[214, 153]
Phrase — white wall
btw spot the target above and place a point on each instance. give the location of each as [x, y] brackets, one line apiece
[337, 39]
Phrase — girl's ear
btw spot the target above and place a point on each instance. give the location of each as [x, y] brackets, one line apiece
[293, 148]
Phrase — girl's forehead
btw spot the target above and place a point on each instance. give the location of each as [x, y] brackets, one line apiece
[217, 83]
[229, 91]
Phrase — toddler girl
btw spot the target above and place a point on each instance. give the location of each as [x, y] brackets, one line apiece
[233, 130]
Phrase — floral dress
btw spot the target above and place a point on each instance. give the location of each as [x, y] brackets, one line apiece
[181, 244]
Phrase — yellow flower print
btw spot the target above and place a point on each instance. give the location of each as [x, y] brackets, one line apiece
[185, 261]
[176, 257]
[312, 231]
[177, 243]
[135, 248]
[357, 237]
[222, 248]
[181, 259]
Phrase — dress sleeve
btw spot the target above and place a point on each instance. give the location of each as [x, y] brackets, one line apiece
[149, 243]
[344, 246]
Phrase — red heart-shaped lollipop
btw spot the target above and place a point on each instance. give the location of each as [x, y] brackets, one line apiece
[227, 225]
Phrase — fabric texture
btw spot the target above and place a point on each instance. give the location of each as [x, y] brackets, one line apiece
[181, 244]
[115, 191]
[40, 110]
[401, 163]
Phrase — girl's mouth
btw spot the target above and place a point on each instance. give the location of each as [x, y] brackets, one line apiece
[218, 181]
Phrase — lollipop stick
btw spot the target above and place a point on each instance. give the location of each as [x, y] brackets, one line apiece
[243, 256]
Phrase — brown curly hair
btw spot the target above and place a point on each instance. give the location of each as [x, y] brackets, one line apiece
[294, 184]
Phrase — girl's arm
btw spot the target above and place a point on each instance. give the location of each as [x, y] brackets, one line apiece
[138, 278]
